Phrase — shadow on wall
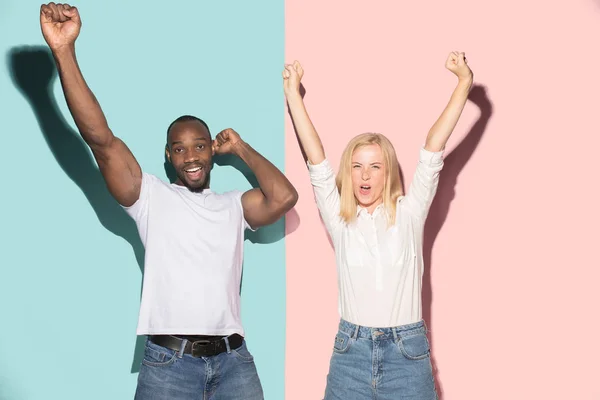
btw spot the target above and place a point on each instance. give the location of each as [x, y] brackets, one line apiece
[7, 392]
[33, 72]
[453, 165]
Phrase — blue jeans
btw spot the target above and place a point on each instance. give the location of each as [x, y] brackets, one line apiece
[380, 363]
[168, 374]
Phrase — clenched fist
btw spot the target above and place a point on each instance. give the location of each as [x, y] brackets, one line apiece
[60, 24]
[226, 141]
[292, 75]
[457, 64]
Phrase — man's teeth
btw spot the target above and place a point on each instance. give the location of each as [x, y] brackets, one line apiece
[193, 169]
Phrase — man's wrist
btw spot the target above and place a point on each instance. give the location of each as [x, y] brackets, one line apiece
[239, 147]
[60, 52]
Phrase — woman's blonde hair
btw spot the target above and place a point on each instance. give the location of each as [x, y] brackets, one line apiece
[392, 186]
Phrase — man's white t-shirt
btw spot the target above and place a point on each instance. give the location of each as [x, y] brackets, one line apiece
[193, 265]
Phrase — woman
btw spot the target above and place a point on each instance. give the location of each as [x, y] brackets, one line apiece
[381, 350]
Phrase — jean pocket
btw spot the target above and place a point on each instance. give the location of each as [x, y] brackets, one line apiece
[342, 342]
[414, 347]
[158, 356]
[242, 353]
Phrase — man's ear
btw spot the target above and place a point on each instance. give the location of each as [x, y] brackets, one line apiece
[167, 153]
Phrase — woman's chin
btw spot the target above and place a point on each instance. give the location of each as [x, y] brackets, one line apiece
[367, 201]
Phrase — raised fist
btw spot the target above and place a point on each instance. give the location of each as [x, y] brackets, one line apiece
[60, 24]
[292, 75]
[457, 64]
[226, 141]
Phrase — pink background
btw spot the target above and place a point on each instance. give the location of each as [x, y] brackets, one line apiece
[512, 237]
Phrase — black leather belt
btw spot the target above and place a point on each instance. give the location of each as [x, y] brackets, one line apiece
[199, 346]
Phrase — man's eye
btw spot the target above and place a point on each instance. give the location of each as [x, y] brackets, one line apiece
[201, 146]
[179, 150]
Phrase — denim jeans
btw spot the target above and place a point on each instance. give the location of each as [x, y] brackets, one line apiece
[168, 374]
[380, 363]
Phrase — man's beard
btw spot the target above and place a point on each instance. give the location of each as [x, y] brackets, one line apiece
[196, 187]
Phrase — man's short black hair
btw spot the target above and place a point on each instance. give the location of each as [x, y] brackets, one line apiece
[185, 118]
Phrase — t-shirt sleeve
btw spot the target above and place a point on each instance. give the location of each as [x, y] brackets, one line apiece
[237, 195]
[138, 211]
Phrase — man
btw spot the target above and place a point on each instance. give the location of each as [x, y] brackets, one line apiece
[193, 238]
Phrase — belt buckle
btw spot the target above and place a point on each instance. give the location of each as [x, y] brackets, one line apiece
[198, 346]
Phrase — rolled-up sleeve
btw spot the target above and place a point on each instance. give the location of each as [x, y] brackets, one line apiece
[424, 185]
[326, 194]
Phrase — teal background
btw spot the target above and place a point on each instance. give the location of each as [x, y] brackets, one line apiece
[70, 282]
